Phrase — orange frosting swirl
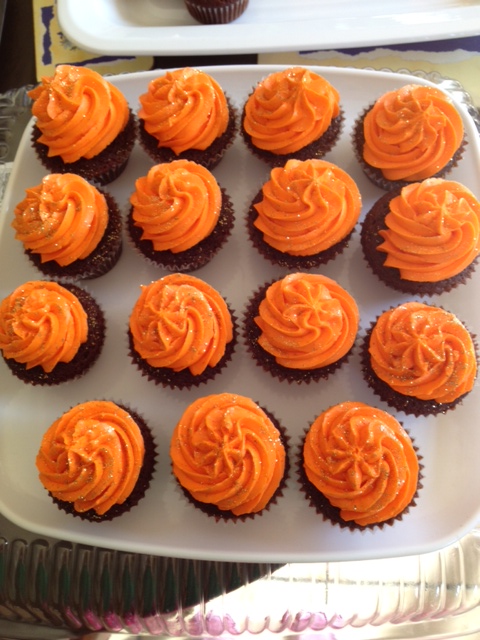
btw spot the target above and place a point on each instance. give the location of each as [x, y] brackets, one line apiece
[78, 112]
[307, 321]
[181, 322]
[184, 109]
[42, 324]
[289, 109]
[227, 452]
[423, 351]
[433, 230]
[363, 461]
[91, 456]
[177, 204]
[411, 134]
[62, 219]
[307, 207]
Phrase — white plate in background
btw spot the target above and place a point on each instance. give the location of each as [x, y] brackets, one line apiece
[164, 523]
[164, 27]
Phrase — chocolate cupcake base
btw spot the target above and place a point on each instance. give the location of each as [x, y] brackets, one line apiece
[209, 158]
[141, 486]
[86, 356]
[193, 258]
[100, 170]
[263, 359]
[102, 259]
[315, 150]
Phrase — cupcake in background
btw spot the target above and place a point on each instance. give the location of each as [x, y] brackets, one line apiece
[408, 135]
[111, 459]
[216, 11]
[229, 455]
[293, 113]
[301, 328]
[179, 216]
[425, 238]
[419, 359]
[49, 332]
[181, 331]
[83, 124]
[304, 214]
[186, 115]
[69, 228]
[358, 467]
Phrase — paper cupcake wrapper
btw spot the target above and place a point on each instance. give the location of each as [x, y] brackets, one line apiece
[217, 12]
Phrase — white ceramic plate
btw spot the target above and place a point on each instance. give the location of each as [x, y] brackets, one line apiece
[163, 523]
[164, 27]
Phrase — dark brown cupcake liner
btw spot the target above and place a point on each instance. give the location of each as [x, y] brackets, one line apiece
[267, 362]
[376, 176]
[407, 404]
[168, 378]
[100, 170]
[315, 150]
[213, 511]
[193, 258]
[216, 11]
[286, 260]
[370, 239]
[86, 356]
[331, 514]
[208, 158]
[140, 489]
[102, 259]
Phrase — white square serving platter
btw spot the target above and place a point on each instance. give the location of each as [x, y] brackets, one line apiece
[164, 27]
[290, 531]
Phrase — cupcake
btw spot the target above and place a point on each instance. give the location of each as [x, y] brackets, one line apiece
[358, 466]
[179, 216]
[69, 228]
[304, 214]
[293, 113]
[216, 11]
[408, 135]
[96, 461]
[229, 456]
[50, 333]
[425, 238]
[185, 115]
[419, 359]
[302, 327]
[181, 331]
[83, 124]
